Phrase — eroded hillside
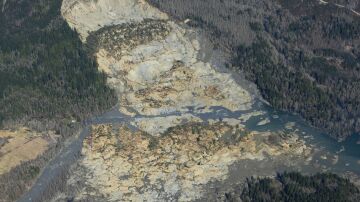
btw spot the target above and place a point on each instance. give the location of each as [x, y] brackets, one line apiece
[177, 142]
[155, 73]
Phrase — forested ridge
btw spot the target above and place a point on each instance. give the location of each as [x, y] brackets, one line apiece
[296, 187]
[45, 74]
[303, 55]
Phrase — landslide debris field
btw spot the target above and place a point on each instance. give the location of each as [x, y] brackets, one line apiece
[122, 164]
[179, 128]
[303, 55]
[178, 138]
[152, 74]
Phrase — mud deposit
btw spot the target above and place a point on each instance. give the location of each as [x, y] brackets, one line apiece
[183, 130]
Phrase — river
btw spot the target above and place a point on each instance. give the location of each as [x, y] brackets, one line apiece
[348, 152]
[329, 155]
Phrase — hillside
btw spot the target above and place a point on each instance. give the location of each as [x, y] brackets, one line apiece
[45, 74]
[303, 55]
[182, 123]
[47, 82]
